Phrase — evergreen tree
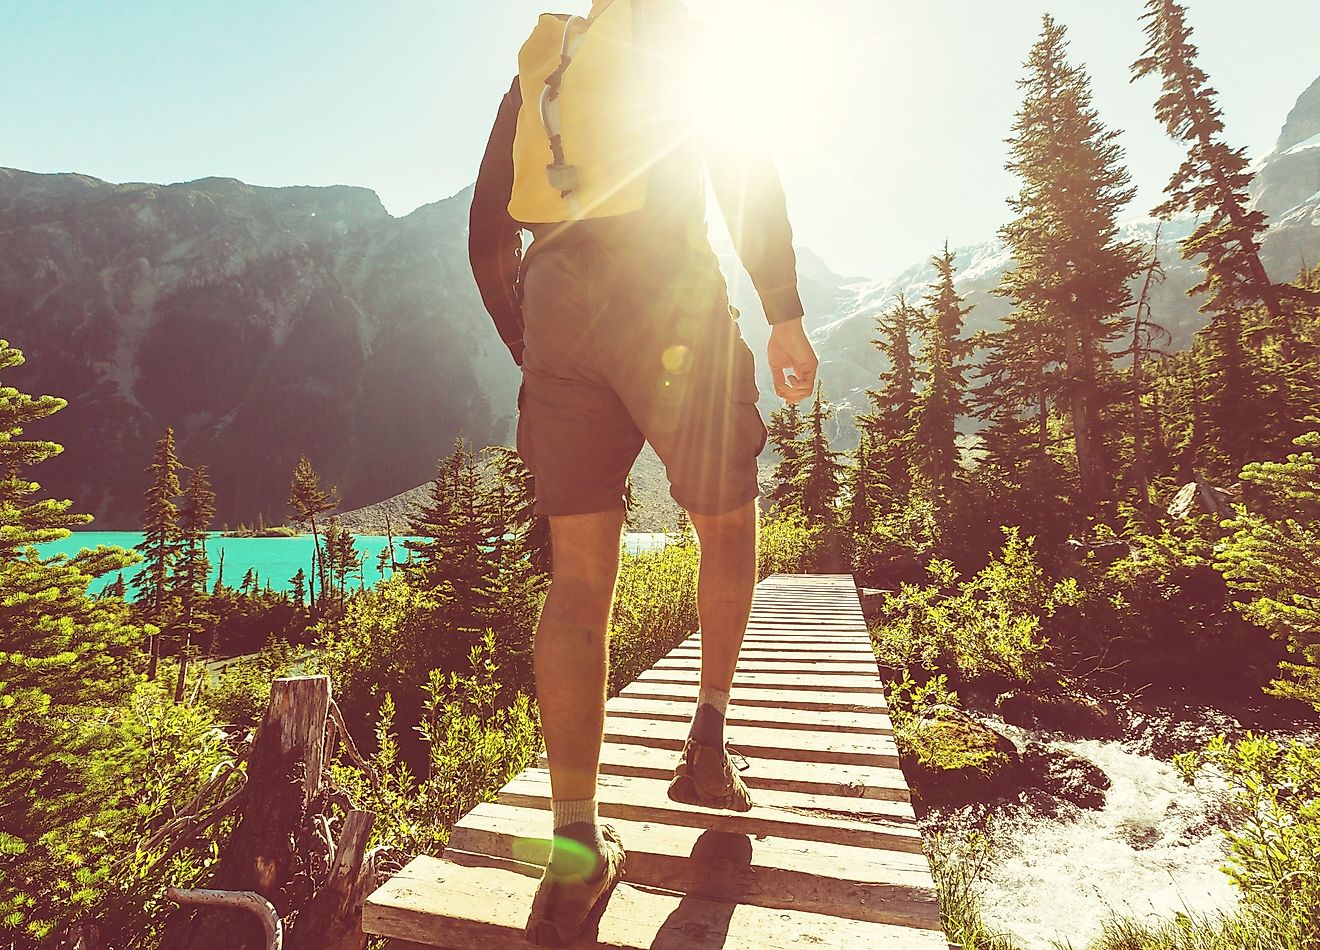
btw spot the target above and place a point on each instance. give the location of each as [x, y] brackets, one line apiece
[453, 550]
[299, 592]
[785, 430]
[1271, 558]
[193, 566]
[249, 583]
[941, 402]
[341, 557]
[518, 511]
[864, 487]
[117, 588]
[1147, 343]
[26, 519]
[67, 663]
[1245, 396]
[195, 514]
[160, 544]
[1214, 180]
[888, 425]
[307, 500]
[822, 473]
[1070, 268]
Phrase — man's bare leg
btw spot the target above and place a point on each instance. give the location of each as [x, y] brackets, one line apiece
[724, 601]
[571, 657]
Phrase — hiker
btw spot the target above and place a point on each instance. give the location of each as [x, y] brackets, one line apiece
[618, 315]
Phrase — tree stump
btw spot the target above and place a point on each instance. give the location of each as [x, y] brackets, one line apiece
[332, 920]
[283, 775]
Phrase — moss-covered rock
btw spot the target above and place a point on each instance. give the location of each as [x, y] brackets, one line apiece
[950, 758]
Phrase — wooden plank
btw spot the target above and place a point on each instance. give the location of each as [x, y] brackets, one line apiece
[782, 813]
[825, 671]
[788, 653]
[852, 683]
[766, 717]
[883, 886]
[798, 745]
[495, 904]
[787, 699]
[830, 778]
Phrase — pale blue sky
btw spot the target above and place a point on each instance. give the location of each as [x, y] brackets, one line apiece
[895, 111]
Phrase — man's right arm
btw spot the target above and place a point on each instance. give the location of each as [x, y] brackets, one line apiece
[494, 238]
[750, 195]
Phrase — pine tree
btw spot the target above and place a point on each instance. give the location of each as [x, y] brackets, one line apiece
[941, 402]
[864, 487]
[160, 545]
[888, 425]
[193, 566]
[1147, 343]
[1214, 180]
[307, 500]
[785, 429]
[822, 472]
[299, 592]
[249, 583]
[68, 662]
[519, 512]
[453, 550]
[117, 588]
[26, 519]
[1243, 302]
[1070, 268]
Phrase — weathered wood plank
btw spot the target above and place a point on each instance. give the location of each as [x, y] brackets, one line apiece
[830, 778]
[852, 683]
[645, 799]
[765, 717]
[787, 699]
[495, 904]
[880, 885]
[798, 745]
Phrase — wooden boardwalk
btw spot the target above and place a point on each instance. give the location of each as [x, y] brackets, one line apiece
[830, 856]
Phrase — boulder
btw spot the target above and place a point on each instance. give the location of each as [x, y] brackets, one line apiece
[1196, 498]
[1073, 713]
[953, 758]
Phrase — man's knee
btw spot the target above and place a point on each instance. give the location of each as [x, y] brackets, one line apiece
[730, 527]
[585, 553]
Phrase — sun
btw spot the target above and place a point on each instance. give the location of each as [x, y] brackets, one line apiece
[770, 71]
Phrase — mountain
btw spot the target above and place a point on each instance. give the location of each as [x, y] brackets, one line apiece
[261, 323]
[1286, 187]
[265, 323]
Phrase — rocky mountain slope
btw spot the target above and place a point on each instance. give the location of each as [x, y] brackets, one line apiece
[261, 323]
[265, 323]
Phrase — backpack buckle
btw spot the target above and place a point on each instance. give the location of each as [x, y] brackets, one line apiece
[563, 178]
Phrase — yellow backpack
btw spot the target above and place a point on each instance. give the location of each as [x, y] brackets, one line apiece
[590, 127]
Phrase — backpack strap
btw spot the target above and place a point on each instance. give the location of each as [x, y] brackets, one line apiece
[562, 175]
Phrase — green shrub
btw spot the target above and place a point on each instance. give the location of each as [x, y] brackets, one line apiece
[1270, 560]
[786, 545]
[242, 690]
[475, 745]
[655, 607]
[989, 626]
[1273, 801]
[899, 545]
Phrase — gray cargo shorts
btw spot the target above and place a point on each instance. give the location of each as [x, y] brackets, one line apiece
[629, 338]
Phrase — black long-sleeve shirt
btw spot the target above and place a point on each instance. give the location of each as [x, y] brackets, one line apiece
[745, 184]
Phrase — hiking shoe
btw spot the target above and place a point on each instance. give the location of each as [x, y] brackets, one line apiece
[706, 776]
[565, 904]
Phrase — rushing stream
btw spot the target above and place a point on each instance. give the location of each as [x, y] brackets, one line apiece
[1155, 848]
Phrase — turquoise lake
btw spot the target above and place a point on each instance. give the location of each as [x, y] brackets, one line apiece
[275, 559]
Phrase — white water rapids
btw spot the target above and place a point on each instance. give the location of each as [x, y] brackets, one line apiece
[1153, 850]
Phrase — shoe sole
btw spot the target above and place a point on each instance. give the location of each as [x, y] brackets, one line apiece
[544, 932]
[683, 789]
